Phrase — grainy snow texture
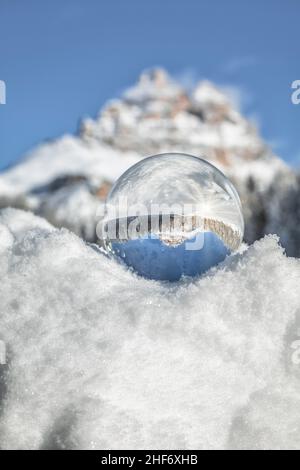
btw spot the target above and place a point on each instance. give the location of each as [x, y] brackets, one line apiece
[100, 358]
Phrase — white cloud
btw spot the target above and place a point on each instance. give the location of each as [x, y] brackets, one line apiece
[235, 64]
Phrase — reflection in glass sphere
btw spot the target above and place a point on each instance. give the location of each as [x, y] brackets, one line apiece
[172, 215]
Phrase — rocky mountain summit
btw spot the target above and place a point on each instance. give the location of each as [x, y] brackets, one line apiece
[157, 115]
[67, 180]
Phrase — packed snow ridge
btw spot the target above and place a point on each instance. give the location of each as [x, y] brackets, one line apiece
[99, 358]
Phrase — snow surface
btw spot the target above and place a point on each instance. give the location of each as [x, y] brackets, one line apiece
[100, 358]
[68, 155]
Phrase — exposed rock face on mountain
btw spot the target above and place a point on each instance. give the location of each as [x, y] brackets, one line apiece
[157, 115]
[67, 180]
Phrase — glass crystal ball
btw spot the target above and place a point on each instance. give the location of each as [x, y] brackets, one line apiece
[172, 215]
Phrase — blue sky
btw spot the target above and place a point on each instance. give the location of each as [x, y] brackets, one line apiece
[63, 59]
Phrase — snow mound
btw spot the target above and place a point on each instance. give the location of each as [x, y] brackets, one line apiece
[100, 358]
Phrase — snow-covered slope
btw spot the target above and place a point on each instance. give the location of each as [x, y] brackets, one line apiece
[156, 115]
[100, 358]
[68, 156]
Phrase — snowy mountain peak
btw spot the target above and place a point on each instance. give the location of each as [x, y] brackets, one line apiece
[207, 94]
[153, 116]
[158, 115]
[154, 84]
[214, 105]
